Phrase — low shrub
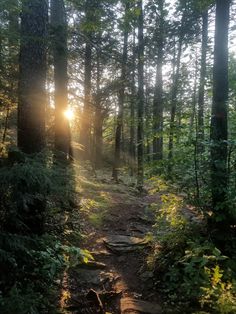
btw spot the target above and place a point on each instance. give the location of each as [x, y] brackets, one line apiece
[189, 269]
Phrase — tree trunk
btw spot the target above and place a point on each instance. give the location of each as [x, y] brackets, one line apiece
[147, 110]
[98, 121]
[59, 29]
[173, 106]
[158, 93]
[32, 102]
[32, 77]
[132, 150]
[13, 42]
[193, 123]
[200, 135]
[140, 99]
[219, 123]
[121, 98]
[174, 94]
[86, 116]
[13, 49]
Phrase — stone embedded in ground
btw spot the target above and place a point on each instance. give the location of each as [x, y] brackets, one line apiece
[92, 265]
[144, 220]
[101, 253]
[137, 228]
[130, 305]
[124, 244]
[146, 275]
[94, 277]
[89, 277]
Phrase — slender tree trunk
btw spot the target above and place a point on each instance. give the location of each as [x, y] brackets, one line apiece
[98, 138]
[13, 43]
[219, 121]
[193, 122]
[174, 94]
[32, 80]
[132, 151]
[59, 28]
[158, 93]
[200, 130]
[86, 116]
[1, 52]
[98, 120]
[4, 135]
[147, 117]
[174, 105]
[140, 100]
[121, 98]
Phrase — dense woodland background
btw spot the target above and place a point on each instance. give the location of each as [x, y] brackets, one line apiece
[144, 90]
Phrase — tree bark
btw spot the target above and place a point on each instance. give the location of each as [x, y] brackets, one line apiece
[174, 93]
[140, 100]
[59, 33]
[201, 93]
[121, 98]
[98, 120]
[193, 122]
[148, 122]
[158, 93]
[32, 77]
[86, 116]
[132, 150]
[219, 120]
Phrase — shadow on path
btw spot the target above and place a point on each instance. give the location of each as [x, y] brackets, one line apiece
[116, 233]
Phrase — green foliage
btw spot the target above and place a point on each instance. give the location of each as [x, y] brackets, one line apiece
[30, 264]
[190, 270]
[24, 186]
[21, 300]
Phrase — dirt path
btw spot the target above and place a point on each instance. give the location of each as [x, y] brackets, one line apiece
[117, 281]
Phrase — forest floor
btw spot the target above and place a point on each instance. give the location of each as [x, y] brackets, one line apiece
[116, 227]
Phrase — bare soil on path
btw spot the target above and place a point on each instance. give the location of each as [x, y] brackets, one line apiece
[117, 281]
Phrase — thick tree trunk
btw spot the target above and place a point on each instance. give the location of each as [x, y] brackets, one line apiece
[121, 98]
[158, 93]
[32, 101]
[200, 135]
[59, 29]
[140, 97]
[32, 77]
[13, 49]
[219, 125]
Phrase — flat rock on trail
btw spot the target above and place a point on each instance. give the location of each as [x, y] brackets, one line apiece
[117, 281]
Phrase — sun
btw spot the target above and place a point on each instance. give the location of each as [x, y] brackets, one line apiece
[69, 114]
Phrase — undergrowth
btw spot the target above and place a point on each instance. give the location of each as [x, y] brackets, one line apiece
[190, 270]
[33, 253]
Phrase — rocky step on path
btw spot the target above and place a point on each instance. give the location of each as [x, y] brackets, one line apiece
[116, 282]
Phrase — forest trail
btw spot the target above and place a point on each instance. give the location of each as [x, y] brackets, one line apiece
[116, 224]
